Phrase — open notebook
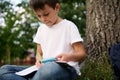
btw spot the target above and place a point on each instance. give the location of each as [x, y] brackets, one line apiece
[33, 68]
[27, 71]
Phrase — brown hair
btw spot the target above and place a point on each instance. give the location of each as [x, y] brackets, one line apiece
[39, 4]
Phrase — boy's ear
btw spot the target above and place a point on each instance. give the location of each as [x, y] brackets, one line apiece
[57, 7]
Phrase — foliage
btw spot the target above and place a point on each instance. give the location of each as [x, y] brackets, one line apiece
[17, 33]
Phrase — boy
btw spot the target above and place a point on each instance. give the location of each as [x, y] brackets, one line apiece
[57, 38]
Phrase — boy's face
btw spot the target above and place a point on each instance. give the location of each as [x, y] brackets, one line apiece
[48, 15]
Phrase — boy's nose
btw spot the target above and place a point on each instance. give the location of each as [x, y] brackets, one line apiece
[43, 18]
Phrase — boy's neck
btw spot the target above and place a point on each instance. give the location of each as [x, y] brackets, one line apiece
[58, 20]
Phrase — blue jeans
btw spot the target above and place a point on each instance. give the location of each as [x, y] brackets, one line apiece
[49, 71]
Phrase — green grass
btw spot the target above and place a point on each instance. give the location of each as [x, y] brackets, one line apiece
[96, 70]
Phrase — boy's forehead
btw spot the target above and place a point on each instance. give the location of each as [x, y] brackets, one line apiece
[45, 7]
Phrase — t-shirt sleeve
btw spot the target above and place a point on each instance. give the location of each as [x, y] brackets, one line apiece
[74, 34]
[36, 39]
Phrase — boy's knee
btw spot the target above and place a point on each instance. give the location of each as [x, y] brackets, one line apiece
[5, 66]
[4, 69]
[50, 68]
[8, 67]
[48, 71]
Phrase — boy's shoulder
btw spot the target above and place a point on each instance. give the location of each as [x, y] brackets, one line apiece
[64, 22]
[68, 22]
[42, 25]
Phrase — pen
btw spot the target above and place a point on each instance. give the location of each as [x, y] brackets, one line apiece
[48, 60]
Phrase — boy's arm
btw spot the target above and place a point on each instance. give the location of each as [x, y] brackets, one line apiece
[78, 55]
[38, 55]
[39, 52]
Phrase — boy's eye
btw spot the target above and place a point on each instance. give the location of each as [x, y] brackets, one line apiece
[43, 15]
[39, 16]
[46, 14]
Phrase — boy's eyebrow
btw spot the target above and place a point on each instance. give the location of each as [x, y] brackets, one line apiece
[45, 14]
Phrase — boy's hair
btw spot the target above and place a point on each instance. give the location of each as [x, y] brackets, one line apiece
[39, 4]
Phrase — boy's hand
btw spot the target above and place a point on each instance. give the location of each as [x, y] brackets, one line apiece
[64, 57]
[37, 63]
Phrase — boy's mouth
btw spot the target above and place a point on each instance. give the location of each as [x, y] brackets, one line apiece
[48, 23]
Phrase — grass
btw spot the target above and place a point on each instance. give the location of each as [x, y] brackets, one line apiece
[96, 70]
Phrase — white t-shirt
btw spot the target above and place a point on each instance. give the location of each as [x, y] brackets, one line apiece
[58, 39]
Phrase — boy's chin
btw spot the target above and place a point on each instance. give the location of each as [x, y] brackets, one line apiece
[49, 25]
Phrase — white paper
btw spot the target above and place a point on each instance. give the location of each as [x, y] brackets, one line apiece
[32, 69]
[27, 71]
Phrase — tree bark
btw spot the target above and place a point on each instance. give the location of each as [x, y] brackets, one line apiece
[103, 27]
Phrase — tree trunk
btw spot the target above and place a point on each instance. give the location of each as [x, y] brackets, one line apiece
[103, 27]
